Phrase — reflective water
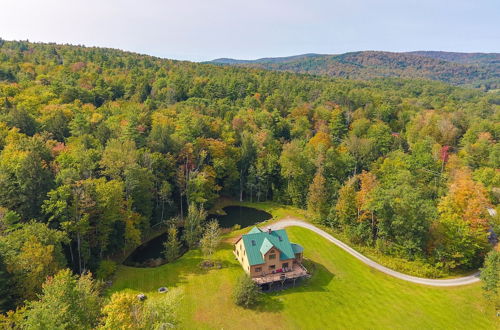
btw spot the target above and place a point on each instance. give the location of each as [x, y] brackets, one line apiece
[150, 254]
[241, 215]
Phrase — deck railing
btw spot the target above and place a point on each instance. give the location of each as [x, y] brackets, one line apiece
[296, 272]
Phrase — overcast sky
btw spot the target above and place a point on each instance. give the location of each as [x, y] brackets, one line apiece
[206, 29]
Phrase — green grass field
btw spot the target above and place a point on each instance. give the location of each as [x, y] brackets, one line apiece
[417, 268]
[343, 293]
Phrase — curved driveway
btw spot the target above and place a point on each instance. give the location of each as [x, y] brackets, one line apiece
[289, 221]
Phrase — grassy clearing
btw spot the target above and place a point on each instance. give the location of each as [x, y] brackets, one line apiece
[415, 268]
[343, 293]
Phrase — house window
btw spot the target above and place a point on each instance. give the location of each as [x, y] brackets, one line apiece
[253, 243]
[272, 267]
[258, 269]
[237, 253]
[272, 256]
[285, 265]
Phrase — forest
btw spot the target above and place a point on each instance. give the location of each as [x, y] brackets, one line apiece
[476, 70]
[98, 147]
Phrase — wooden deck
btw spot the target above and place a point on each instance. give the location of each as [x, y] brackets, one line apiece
[298, 271]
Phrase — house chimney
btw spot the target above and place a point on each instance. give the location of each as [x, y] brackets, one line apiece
[269, 230]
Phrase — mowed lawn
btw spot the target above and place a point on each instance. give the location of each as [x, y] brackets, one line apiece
[343, 293]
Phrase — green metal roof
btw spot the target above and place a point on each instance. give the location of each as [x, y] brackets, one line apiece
[255, 230]
[297, 248]
[257, 243]
[266, 246]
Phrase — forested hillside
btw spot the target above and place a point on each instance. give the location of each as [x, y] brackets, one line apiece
[98, 146]
[468, 58]
[472, 69]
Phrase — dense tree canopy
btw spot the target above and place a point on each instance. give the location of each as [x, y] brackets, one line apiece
[99, 146]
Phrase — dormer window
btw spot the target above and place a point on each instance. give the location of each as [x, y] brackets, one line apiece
[253, 242]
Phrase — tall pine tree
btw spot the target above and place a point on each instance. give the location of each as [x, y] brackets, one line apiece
[5, 292]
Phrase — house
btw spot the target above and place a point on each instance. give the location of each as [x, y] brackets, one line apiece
[268, 256]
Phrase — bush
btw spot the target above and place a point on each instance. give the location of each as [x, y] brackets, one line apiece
[246, 293]
[106, 269]
[490, 274]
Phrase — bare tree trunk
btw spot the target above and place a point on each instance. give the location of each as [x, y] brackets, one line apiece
[182, 208]
[241, 186]
[79, 253]
[71, 253]
[373, 228]
[162, 210]
[258, 190]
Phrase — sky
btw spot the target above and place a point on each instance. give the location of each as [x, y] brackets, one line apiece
[200, 30]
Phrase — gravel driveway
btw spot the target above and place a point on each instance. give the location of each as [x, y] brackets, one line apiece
[290, 221]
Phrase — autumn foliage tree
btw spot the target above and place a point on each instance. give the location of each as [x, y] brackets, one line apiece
[65, 302]
[99, 146]
[461, 231]
[317, 198]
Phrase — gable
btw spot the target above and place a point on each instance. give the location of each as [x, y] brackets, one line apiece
[266, 246]
[257, 243]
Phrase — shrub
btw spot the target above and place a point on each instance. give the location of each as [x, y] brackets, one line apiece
[106, 269]
[246, 293]
[490, 274]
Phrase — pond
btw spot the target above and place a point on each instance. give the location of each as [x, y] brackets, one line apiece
[150, 254]
[241, 215]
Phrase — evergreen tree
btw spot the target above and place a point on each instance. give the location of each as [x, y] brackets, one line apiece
[172, 245]
[5, 288]
[338, 125]
[246, 293]
[211, 238]
[193, 225]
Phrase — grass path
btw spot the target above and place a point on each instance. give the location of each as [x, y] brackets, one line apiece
[342, 293]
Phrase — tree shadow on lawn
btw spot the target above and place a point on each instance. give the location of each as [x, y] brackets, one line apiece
[269, 304]
[272, 301]
[176, 273]
[319, 281]
[169, 275]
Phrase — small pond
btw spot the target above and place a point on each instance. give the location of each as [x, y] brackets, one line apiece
[241, 215]
[150, 254]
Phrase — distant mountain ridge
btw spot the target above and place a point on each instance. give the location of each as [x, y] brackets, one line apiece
[468, 58]
[473, 69]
